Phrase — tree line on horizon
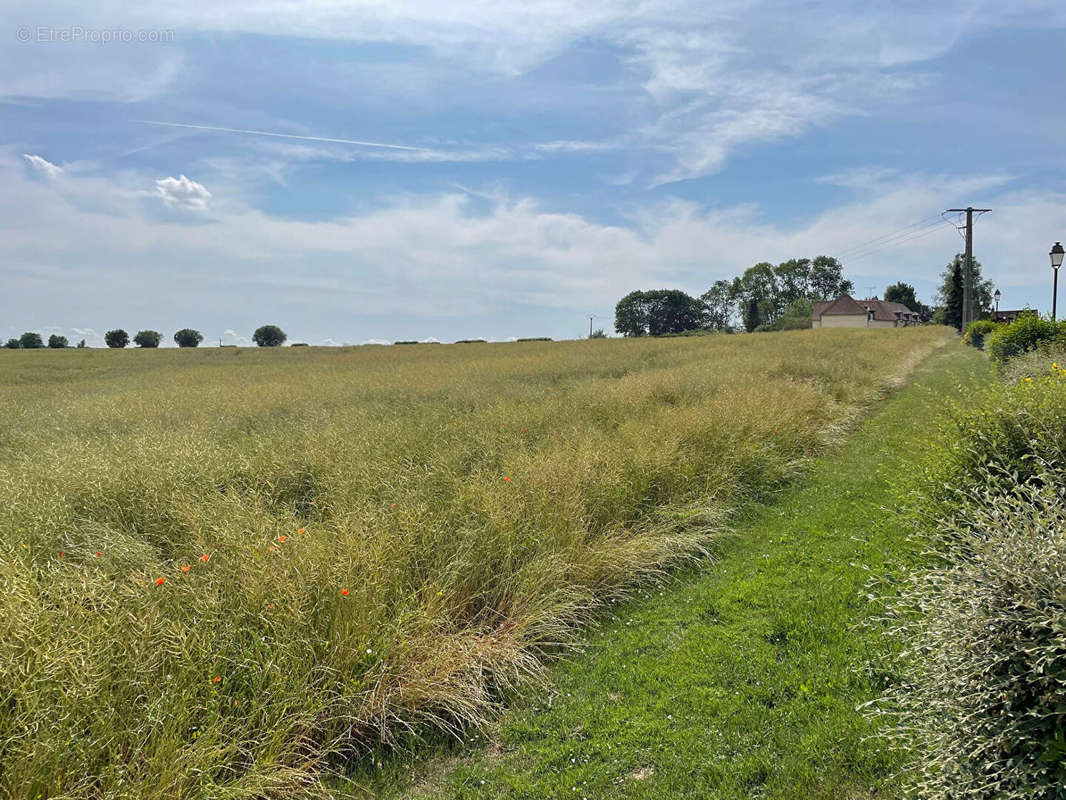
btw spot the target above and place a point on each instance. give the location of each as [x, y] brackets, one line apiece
[774, 298]
[264, 336]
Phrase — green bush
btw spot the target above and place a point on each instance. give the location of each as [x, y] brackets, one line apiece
[57, 342]
[187, 337]
[148, 339]
[981, 634]
[1028, 332]
[976, 333]
[13, 344]
[981, 704]
[30, 341]
[117, 338]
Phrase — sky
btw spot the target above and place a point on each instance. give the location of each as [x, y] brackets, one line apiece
[377, 171]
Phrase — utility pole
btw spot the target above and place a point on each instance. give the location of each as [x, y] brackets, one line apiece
[967, 267]
[591, 317]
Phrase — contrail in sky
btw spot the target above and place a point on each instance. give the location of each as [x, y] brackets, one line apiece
[281, 135]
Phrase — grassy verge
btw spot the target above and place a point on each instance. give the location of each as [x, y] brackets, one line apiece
[737, 681]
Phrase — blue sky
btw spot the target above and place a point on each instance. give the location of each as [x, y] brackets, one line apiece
[541, 160]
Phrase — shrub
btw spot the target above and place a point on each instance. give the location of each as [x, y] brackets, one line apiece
[1026, 333]
[269, 336]
[536, 339]
[471, 341]
[299, 344]
[978, 330]
[13, 344]
[117, 338]
[405, 341]
[57, 342]
[30, 340]
[147, 338]
[81, 344]
[980, 708]
[187, 337]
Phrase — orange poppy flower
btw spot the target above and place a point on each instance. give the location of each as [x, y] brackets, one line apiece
[160, 581]
[270, 606]
[281, 538]
[302, 530]
[272, 548]
[185, 567]
[344, 592]
[216, 679]
[392, 505]
[205, 557]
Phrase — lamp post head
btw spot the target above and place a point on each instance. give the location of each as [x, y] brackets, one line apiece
[997, 295]
[1056, 255]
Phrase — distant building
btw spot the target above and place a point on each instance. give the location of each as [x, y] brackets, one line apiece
[846, 312]
[1011, 315]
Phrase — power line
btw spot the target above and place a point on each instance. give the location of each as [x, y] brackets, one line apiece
[898, 242]
[878, 240]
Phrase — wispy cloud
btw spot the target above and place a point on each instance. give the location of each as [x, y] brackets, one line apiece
[277, 135]
[44, 167]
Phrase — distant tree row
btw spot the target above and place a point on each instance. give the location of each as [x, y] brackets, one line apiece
[264, 336]
[764, 297]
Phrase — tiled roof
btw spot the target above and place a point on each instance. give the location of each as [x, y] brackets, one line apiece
[844, 305]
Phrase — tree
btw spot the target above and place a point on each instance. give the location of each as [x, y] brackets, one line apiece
[794, 280]
[758, 283]
[57, 342]
[950, 294]
[187, 337]
[596, 334]
[752, 316]
[673, 311]
[905, 293]
[631, 315]
[81, 345]
[269, 336]
[117, 338]
[827, 279]
[30, 340]
[13, 344]
[147, 338]
[718, 306]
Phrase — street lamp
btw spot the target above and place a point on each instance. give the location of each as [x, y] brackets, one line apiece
[1056, 262]
[997, 295]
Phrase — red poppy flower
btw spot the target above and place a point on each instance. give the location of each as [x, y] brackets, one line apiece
[281, 538]
[60, 553]
[507, 479]
[99, 554]
[392, 505]
[270, 606]
[344, 592]
[205, 557]
[160, 581]
[216, 679]
[185, 568]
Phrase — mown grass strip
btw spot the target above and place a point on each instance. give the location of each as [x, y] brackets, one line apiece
[741, 680]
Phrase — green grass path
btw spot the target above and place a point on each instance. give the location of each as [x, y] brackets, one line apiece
[739, 680]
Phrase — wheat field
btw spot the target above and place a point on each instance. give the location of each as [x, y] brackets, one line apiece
[225, 573]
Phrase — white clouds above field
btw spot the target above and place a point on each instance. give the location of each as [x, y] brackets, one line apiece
[89, 251]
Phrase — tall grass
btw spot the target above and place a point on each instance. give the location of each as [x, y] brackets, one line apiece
[222, 573]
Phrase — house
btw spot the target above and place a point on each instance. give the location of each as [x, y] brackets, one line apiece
[846, 312]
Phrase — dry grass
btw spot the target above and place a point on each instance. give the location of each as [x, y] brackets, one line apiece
[394, 536]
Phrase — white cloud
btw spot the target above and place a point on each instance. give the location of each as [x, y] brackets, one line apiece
[181, 192]
[429, 340]
[467, 265]
[46, 168]
[376, 341]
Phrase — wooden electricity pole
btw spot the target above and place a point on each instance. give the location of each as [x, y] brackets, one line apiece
[967, 267]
